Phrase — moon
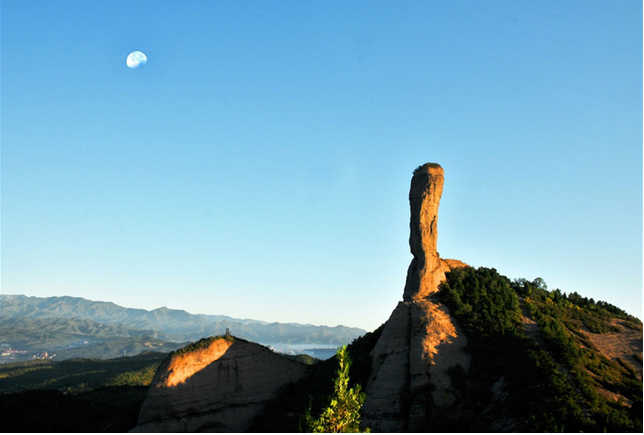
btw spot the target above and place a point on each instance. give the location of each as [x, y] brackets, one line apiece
[136, 59]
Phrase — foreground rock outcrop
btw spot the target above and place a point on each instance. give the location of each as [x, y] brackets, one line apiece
[219, 385]
[421, 341]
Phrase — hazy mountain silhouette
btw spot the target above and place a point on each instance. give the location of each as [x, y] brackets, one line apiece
[106, 319]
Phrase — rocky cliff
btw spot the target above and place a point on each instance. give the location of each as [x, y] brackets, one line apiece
[421, 341]
[218, 385]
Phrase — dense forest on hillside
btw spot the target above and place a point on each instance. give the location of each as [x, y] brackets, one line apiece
[556, 379]
[82, 395]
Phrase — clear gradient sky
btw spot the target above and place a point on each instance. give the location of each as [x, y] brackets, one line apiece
[259, 164]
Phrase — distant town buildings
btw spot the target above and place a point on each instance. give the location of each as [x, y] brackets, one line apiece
[11, 355]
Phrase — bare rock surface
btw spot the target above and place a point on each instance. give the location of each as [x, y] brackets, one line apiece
[449, 264]
[219, 388]
[421, 341]
[387, 394]
[425, 271]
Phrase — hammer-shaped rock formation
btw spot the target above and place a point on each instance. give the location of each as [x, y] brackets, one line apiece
[425, 271]
[219, 387]
[420, 341]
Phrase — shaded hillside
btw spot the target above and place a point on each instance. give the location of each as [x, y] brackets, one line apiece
[79, 375]
[107, 410]
[75, 396]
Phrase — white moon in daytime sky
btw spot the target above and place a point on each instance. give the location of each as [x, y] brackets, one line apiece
[136, 59]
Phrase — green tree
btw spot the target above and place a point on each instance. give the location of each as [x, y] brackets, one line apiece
[343, 412]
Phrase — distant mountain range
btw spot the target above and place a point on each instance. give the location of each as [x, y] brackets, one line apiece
[56, 323]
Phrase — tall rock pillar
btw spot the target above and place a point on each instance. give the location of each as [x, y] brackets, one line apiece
[420, 342]
[425, 271]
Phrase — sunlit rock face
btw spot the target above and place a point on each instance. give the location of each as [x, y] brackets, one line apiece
[181, 368]
[425, 271]
[421, 341]
[219, 388]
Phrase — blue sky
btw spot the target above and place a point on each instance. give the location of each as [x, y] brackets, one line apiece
[259, 164]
